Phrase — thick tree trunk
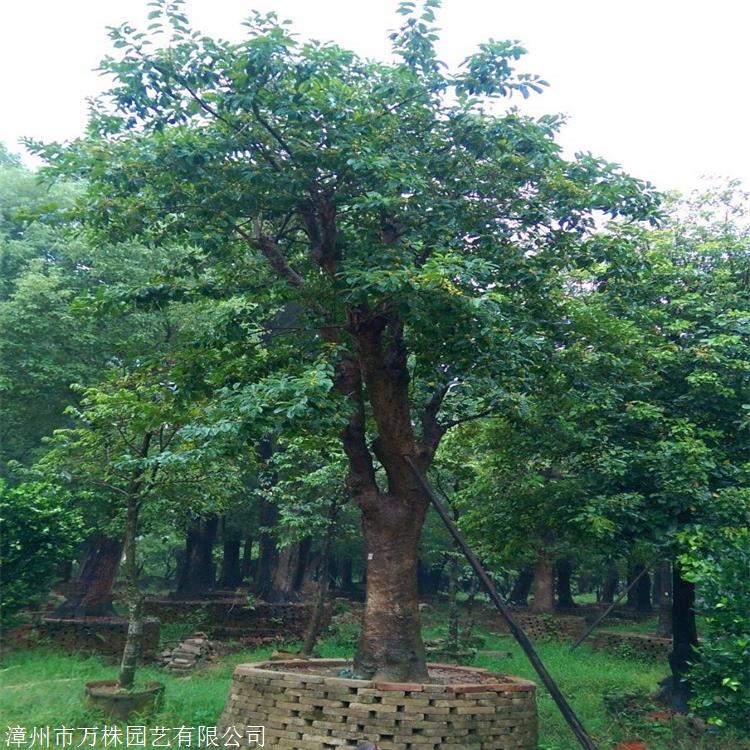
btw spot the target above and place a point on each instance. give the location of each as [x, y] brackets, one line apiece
[284, 575]
[196, 575]
[390, 646]
[519, 594]
[544, 589]
[611, 582]
[684, 639]
[231, 571]
[564, 591]
[92, 595]
[664, 626]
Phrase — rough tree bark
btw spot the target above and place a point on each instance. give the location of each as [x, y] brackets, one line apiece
[564, 591]
[684, 639]
[196, 575]
[519, 594]
[544, 587]
[284, 575]
[92, 595]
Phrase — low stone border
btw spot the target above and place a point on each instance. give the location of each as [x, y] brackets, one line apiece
[642, 644]
[303, 709]
[232, 618]
[557, 627]
[98, 635]
[592, 611]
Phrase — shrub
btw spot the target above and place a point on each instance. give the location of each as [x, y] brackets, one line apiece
[717, 560]
[38, 529]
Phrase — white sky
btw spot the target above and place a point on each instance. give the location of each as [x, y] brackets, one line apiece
[659, 86]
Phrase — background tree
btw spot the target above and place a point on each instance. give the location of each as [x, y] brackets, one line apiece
[126, 445]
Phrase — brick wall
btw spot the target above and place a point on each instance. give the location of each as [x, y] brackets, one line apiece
[651, 646]
[304, 710]
[99, 635]
[557, 627]
[231, 618]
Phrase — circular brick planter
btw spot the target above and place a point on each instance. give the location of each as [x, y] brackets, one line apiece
[303, 705]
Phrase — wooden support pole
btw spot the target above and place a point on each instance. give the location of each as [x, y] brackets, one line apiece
[562, 704]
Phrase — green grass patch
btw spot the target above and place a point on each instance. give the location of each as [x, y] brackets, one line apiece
[43, 688]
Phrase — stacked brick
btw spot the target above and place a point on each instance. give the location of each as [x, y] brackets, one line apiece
[187, 654]
[303, 709]
[99, 635]
[642, 644]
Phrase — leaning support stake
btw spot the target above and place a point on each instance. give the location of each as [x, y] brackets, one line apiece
[565, 709]
[596, 622]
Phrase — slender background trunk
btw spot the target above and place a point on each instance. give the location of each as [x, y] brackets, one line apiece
[132, 649]
[324, 578]
[564, 592]
[611, 582]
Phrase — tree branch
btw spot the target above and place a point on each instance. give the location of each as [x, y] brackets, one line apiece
[273, 255]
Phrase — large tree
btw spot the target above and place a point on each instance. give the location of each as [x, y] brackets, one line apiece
[417, 225]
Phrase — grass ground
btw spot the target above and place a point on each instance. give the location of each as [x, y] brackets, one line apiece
[41, 687]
